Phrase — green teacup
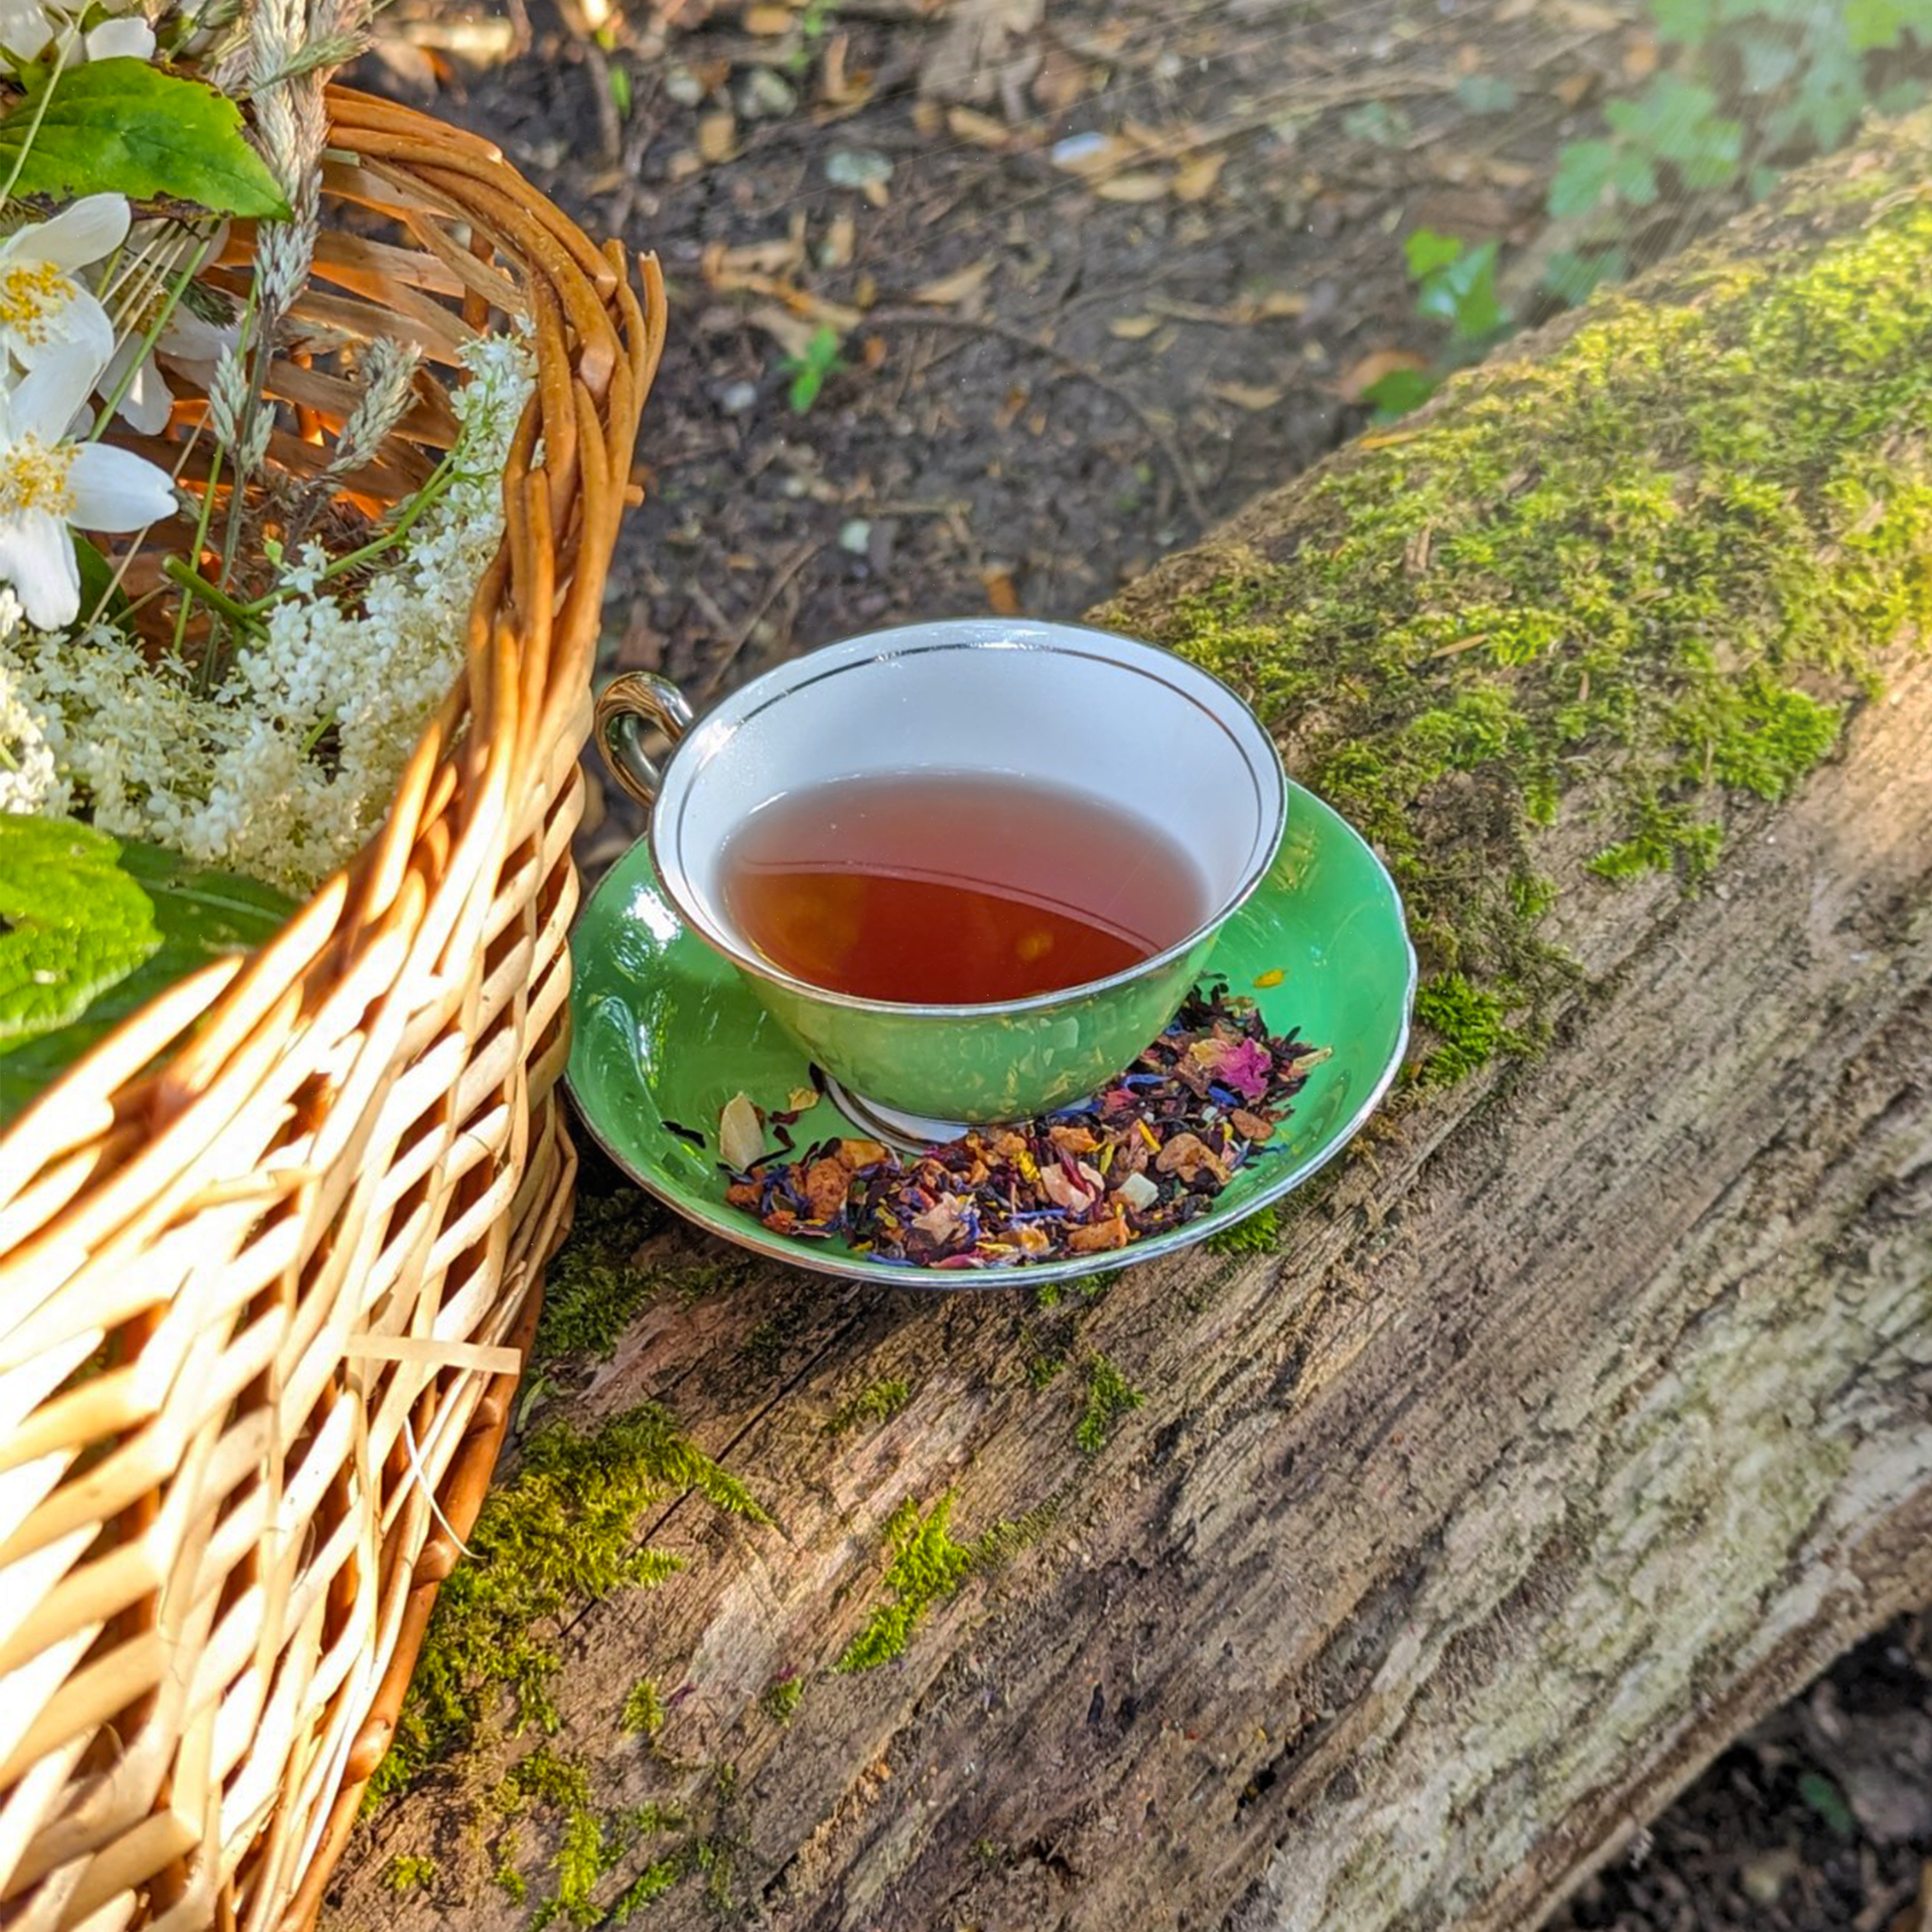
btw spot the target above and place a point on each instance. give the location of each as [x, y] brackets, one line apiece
[1133, 727]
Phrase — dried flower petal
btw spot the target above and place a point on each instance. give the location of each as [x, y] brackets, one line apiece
[1005, 1194]
[740, 1133]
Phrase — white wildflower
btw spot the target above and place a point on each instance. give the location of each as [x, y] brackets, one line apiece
[236, 778]
[44, 305]
[157, 256]
[29, 781]
[28, 30]
[48, 482]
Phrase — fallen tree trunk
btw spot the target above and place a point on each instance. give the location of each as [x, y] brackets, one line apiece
[1434, 1543]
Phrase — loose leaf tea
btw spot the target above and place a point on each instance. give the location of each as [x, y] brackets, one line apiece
[955, 888]
[1148, 1153]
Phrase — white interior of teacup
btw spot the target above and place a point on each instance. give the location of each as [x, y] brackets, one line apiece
[1130, 725]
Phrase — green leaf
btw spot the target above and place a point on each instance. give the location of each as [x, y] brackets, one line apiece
[99, 594]
[188, 915]
[71, 923]
[1573, 277]
[1634, 179]
[1583, 171]
[1827, 1801]
[1400, 391]
[1874, 24]
[1687, 21]
[1426, 252]
[1769, 63]
[123, 127]
[1464, 293]
[1486, 94]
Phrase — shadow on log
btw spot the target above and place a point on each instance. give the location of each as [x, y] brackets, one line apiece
[1563, 1430]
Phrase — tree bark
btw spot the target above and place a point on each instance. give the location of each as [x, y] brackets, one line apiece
[1572, 1425]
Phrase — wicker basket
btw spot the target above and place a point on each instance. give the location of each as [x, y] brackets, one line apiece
[269, 1256]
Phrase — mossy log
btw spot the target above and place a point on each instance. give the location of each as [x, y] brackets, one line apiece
[1389, 1573]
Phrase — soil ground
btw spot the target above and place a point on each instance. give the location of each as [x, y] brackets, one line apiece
[1095, 274]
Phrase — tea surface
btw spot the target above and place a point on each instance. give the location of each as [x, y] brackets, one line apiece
[955, 888]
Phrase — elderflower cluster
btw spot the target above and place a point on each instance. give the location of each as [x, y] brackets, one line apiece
[287, 766]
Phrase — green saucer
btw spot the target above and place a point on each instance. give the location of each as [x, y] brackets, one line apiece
[663, 1028]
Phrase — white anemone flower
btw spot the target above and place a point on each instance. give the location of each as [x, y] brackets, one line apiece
[152, 264]
[44, 305]
[27, 29]
[49, 482]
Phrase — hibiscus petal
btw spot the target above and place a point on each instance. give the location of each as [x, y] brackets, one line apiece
[36, 558]
[83, 232]
[115, 489]
[48, 398]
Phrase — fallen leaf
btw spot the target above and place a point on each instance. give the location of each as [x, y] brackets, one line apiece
[793, 334]
[723, 267]
[1133, 329]
[841, 238]
[1194, 179]
[717, 138]
[1246, 396]
[978, 56]
[1370, 370]
[948, 291]
[1574, 88]
[768, 20]
[839, 88]
[1061, 81]
[872, 352]
[1005, 416]
[981, 130]
[1276, 306]
[1587, 17]
[1133, 187]
[1001, 596]
[1640, 59]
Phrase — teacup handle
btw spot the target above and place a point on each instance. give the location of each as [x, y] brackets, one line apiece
[623, 707]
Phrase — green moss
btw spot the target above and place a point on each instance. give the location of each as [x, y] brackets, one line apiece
[409, 1871]
[1647, 569]
[592, 1842]
[876, 1403]
[642, 1711]
[651, 1884]
[594, 1288]
[1468, 1023]
[925, 1566]
[560, 1534]
[1109, 1397]
[781, 1697]
[1258, 1234]
[763, 1347]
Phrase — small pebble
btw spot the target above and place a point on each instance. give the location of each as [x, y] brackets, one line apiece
[857, 168]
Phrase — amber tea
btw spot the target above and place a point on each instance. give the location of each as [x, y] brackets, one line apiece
[955, 888]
